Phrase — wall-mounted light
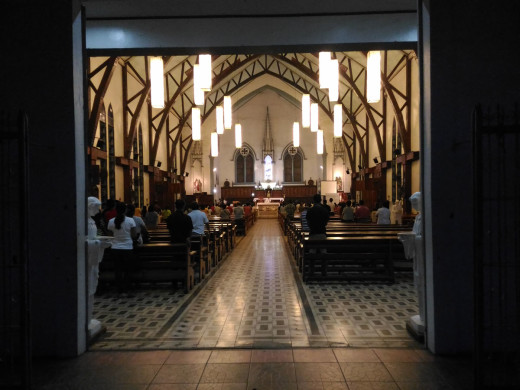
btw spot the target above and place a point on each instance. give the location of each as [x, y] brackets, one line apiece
[397, 152]
[373, 76]
[158, 163]
[319, 142]
[296, 134]
[376, 161]
[333, 80]
[220, 119]
[306, 110]
[198, 93]
[185, 174]
[214, 144]
[348, 171]
[238, 135]
[314, 117]
[205, 72]
[324, 60]
[157, 82]
[338, 120]
[227, 112]
[359, 166]
[174, 171]
[195, 124]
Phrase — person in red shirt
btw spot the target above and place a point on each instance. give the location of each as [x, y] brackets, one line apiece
[362, 213]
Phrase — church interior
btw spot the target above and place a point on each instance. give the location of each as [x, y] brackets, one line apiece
[81, 120]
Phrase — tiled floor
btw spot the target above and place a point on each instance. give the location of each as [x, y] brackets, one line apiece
[260, 369]
[256, 299]
[252, 326]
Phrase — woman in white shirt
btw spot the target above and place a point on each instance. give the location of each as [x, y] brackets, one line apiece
[124, 230]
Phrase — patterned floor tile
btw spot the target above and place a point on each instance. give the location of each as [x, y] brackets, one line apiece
[254, 300]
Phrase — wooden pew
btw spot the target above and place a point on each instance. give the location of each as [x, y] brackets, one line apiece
[157, 262]
[350, 258]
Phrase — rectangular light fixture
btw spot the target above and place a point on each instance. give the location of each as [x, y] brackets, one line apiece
[296, 134]
[220, 119]
[306, 110]
[198, 93]
[205, 72]
[314, 117]
[227, 112]
[333, 80]
[373, 76]
[319, 141]
[324, 59]
[195, 124]
[238, 135]
[157, 82]
[214, 144]
[338, 120]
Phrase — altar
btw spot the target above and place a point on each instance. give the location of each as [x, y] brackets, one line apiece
[267, 210]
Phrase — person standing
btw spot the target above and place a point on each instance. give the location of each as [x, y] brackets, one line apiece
[140, 227]
[317, 219]
[383, 214]
[124, 230]
[198, 218]
[179, 224]
[362, 213]
[151, 219]
[348, 212]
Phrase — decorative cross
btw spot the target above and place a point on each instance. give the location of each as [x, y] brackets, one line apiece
[244, 151]
[292, 150]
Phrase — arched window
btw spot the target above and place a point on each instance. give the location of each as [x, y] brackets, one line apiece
[111, 154]
[268, 168]
[244, 166]
[292, 165]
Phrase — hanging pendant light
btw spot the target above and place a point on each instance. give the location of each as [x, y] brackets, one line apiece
[157, 81]
[333, 80]
[198, 93]
[214, 144]
[220, 119]
[314, 117]
[324, 59]
[374, 76]
[227, 112]
[338, 120]
[306, 110]
[205, 72]
[296, 134]
[238, 135]
[195, 124]
[319, 141]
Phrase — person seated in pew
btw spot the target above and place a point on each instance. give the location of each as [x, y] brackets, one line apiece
[362, 213]
[179, 224]
[247, 210]
[199, 220]
[224, 213]
[383, 214]
[348, 212]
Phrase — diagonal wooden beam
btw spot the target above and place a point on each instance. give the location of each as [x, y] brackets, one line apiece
[98, 99]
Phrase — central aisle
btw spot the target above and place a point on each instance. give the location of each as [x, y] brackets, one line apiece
[251, 301]
[256, 300]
